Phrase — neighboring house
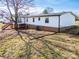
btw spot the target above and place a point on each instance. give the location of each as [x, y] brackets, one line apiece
[50, 22]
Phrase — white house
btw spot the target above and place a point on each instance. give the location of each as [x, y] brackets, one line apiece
[51, 22]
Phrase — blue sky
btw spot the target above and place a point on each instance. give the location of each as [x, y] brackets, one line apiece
[59, 5]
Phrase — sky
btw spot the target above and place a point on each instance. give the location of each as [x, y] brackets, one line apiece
[64, 4]
[57, 5]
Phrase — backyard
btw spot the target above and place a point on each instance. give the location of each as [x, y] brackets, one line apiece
[32, 44]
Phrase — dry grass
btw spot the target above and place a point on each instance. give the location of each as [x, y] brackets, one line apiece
[15, 48]
[77, 23]
[47, 46]
[1, 25]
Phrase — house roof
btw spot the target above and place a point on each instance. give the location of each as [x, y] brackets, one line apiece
[44, 15]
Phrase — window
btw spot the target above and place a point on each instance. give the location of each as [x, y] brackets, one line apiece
[33, 20]
[19, 20]
[47, 20]
[26, 19]
[39, 18]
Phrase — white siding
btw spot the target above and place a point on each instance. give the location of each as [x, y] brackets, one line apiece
[67, 20]
[22, 19]
[53, 21]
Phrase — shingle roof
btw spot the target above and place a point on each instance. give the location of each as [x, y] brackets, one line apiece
[43, 15]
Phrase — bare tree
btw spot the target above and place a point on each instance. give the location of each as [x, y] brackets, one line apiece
[16, 6]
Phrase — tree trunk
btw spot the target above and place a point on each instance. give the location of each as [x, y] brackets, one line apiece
[16, 24]
[16, 15]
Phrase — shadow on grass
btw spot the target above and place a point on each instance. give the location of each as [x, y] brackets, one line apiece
[53, 52]
[46, 42]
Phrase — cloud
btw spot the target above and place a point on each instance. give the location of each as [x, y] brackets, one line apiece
[34, 10]
[31, 10]
[75, 11]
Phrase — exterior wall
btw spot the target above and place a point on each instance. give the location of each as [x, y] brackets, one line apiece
[66, 20]
[53, 21]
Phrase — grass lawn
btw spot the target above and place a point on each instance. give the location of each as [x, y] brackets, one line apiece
[77, 23]
[57, 46]
[1, 25]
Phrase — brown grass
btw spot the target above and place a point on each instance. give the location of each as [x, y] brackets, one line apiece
[47, 46]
